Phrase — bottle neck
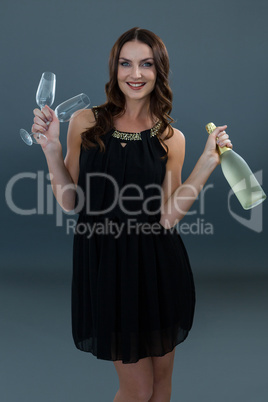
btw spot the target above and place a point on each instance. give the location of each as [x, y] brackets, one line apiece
[210, 127]
[221, 150]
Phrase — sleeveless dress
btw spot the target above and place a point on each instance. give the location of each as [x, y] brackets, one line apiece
[133, 292]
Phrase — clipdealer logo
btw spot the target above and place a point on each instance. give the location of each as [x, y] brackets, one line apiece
[45, 204]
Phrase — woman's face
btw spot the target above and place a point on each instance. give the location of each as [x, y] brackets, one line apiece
[136, 70]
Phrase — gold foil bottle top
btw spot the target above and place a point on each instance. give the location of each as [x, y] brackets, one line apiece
[210, 127]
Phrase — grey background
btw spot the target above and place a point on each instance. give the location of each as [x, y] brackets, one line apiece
[218, 55]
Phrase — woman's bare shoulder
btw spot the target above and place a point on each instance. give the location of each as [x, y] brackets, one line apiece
[177, 137]
[81, 121]
[83, 118]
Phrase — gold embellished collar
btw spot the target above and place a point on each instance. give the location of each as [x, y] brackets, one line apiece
[136, 136]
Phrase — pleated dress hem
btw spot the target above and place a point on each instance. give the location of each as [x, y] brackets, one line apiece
[89, 346]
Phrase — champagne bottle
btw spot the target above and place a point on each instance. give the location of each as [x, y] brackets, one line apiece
[238, 174]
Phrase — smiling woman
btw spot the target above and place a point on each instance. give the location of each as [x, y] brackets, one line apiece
[133, 295]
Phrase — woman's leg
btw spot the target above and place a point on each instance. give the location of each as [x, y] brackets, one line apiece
[135, 380]
[162, 374]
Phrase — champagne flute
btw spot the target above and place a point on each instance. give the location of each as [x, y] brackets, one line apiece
[45, 95]
[64, 113]
[66, 109]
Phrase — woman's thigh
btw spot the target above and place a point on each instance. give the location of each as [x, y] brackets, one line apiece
[135, 375]
[163, 367]
[146, 371]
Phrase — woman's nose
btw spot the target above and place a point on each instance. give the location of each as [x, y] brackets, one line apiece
[136, 72]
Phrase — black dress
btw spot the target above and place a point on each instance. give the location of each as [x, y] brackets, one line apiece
[132, 289]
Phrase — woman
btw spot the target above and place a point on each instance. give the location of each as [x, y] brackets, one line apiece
[132, 291]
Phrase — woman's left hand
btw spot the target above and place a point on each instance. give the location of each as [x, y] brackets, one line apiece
[217, 137]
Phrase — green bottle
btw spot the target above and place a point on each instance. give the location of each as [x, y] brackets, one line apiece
[238, 174]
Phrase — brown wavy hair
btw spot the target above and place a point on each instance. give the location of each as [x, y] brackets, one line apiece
[161, 96]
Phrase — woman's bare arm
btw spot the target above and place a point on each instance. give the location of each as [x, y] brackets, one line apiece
[177, 198]
[63, 173]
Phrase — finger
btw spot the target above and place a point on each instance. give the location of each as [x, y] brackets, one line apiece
[222, 133]
[37, 112]
[221, 137]
[47, 112]
[218, 130]
[40, 122]
[36, 128]
[41, 115]
[224, 143]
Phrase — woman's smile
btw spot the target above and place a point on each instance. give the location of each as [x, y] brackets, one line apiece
[136, 85]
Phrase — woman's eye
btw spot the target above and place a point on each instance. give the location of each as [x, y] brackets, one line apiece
[127, 64]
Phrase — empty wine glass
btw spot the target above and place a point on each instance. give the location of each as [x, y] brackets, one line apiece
[64, 112]
[45, 95]
[66, 109]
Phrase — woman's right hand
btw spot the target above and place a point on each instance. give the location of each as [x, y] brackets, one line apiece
[47, 123]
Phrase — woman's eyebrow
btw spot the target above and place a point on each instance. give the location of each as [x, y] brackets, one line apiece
[148, 58]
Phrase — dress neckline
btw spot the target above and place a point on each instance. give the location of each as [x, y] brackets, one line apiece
[136, 136]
